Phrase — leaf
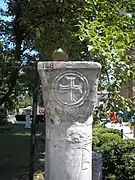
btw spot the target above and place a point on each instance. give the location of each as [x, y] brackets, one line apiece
[38, 33]
[127, 38]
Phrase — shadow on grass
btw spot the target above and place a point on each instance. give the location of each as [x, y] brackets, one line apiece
[15, 153]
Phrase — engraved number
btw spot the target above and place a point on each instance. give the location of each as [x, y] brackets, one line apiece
[48, 66]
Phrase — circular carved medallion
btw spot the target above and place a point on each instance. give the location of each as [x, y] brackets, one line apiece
[70, 89]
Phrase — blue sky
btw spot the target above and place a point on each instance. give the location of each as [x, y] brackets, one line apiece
[2, 4]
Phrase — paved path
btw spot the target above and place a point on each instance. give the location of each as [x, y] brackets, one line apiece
[125, 127]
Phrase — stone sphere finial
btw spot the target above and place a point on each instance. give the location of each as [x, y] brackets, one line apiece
[59, 55]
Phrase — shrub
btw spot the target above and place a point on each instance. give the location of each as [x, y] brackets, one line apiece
[100, 134]
[114, 131]
[100, 129]
[118, 154]
[107, 137]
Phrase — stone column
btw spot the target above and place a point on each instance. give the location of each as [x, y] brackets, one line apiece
[27, 118]
[69, 92]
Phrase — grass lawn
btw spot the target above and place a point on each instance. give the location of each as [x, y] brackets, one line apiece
[15, 154]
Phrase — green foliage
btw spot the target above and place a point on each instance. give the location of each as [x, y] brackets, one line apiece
[118, 154]
[98, 130]
[101, 134]
[24, 101]
[107, 137]
[6, 62]
[108, 29]
[3, 116]
[99, 114]
[101, 31]
[52, 24]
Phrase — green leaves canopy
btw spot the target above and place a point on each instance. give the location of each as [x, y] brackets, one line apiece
[94, 30]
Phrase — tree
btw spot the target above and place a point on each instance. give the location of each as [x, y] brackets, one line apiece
[101, 31]
[52, 25]
[14, 55]
[13, 47]
[108, 28]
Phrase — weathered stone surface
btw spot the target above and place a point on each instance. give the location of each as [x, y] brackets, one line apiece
[69, 92]
[97, 164]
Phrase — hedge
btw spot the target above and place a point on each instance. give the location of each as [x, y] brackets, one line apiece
[118, 154]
